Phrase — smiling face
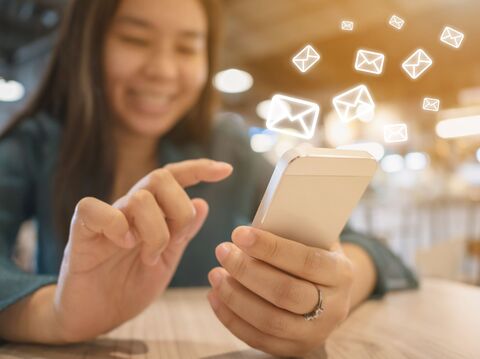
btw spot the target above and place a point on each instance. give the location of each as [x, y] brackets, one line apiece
[155, 63]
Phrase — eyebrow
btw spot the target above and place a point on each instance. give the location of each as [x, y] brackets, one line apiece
[134, 21]
[193, 34]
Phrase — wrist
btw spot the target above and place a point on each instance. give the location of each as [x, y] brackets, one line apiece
[32, 319]
[365, 275]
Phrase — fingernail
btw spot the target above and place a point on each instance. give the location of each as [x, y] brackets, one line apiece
[214, 302]
[215, 279]
[130, 239]
[222, 252]
[246, 237]
[221, 165]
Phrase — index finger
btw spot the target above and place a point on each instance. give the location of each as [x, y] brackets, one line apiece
[191, 172]
[313, 264]
[93, 217]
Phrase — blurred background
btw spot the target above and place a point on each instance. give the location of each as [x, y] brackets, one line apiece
[425, 199]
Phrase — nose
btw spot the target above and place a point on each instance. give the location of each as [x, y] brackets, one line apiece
[161, 65]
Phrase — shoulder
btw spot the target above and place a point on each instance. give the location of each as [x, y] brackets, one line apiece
[39, 127]
[30, 140]
[230, 136]
[231, 143]
[230, 125]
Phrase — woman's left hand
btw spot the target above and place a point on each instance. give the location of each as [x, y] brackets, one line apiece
[266, 285]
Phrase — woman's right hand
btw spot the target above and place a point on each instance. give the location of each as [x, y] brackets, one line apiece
[120, 257]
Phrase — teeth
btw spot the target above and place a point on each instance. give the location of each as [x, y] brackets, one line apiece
[152, 97]
[158, 99]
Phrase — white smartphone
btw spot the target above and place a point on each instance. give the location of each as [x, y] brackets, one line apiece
[312, 193]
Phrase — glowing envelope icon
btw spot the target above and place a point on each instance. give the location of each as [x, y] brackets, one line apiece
[347, 25]
[293, 116]
[417, 64]
[431, 104]
[354, 104]
[306, 58]
[452, 37]
[370, 62]
[396, 22]
[396, 133]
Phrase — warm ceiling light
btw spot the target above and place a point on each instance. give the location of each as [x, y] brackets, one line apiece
[262, 142]
[392, 163]
[459, 127]
[417, 161]
[233, 81]
[11, 91]
[263, 108]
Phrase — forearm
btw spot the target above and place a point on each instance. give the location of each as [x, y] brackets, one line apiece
[364, 273]
[32, 319]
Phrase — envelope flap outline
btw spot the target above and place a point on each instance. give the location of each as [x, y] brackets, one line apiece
[431, 101]
[452, 33]
[354, 103]
[417, 63]
[396, 130]
[364, 56]
[452, 37]
[301, 115]
[360, 95]
[287, 111]
[306, 54]
[418, 57]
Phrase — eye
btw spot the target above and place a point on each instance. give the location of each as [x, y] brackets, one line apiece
[187, 50]
[134, 40]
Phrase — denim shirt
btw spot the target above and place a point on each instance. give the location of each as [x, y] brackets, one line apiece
[28, 158]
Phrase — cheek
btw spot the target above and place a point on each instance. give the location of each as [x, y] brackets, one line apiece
[194, 77]
[119, 66]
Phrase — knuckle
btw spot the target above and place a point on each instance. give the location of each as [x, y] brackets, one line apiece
[226, 294]
[83, 206]
[348, 271]
[240, 267]
[272, 249]
[311, 263]
[187, 216]
[344, 313]
[159, 176]
[161, 239]
[140, 197]
[228, 318]
[286, 295]
[276, 325]
[340, 314]
[115, 218]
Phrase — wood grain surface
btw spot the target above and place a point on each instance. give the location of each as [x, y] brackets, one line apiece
[441, 320]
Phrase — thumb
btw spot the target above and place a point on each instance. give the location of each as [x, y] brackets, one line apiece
[175, 249]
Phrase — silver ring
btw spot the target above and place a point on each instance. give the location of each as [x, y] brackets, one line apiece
[314, 314]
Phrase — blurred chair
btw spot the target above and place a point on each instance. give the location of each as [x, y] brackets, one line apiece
[473, 251]
[443, 260]
[438, 237]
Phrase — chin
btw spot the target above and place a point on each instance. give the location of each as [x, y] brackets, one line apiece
[155, 129]
[151, 121]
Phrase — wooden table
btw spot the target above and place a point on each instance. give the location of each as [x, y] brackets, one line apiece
[441, 320]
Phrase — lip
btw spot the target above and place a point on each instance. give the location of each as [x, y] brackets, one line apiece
[150, 102]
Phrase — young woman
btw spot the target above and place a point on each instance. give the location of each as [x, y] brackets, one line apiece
[111, 159]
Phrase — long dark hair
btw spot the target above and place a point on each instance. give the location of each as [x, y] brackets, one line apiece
[73, 92]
